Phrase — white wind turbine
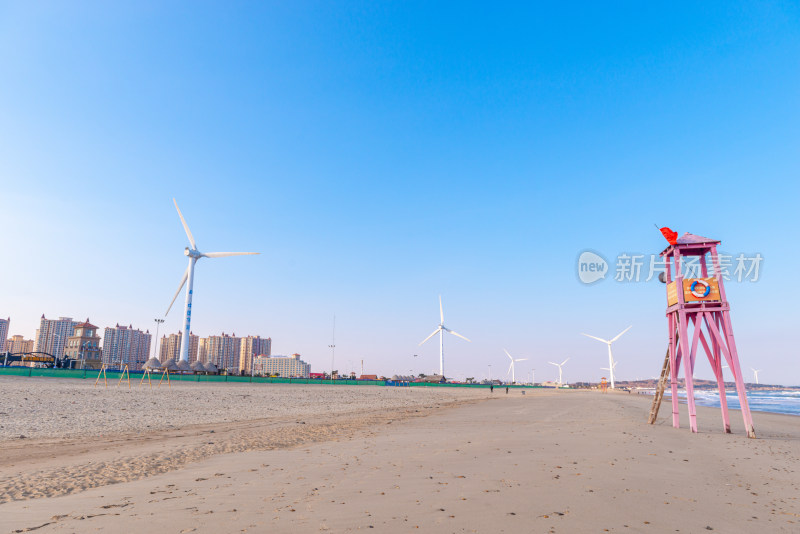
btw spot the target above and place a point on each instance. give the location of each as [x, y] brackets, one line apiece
[559, 365]
[193, 255]
[611, 371]
[611, 364]
[441, 329]
[511, 368]
[755, 374]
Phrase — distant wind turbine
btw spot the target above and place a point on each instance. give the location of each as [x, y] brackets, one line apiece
[193, 255]
[559, 365]
[441, 329]
[511, 368]
[755, 374]
[611, 364]
[610, 371]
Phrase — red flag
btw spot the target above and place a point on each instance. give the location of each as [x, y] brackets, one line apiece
[669, 235]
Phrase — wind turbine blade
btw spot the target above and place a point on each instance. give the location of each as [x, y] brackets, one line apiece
[521, 360]
[441, 311]
[597, 338]
[551, 363]
[185, 226]
[509, 368]
[430, 336]
[565, 361]
[507, 354]
[226, 254]
[620, 334]
[183, 281]
[459, 335]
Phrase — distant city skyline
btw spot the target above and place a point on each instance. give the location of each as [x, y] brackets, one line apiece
[380, 155]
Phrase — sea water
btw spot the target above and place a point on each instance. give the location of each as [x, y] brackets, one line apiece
[786, 401]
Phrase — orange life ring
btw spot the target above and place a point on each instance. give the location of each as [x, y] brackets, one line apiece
[697, 293]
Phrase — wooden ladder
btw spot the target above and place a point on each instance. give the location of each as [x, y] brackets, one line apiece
[662, 384]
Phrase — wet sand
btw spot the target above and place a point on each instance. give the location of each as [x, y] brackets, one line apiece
[565, 461]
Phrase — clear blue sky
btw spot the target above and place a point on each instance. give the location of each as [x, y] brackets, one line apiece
[381, 154]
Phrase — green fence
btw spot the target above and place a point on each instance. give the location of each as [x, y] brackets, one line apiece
[115, 375]
[137, 375]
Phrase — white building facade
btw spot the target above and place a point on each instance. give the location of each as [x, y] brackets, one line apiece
[171, 347]
[284, 366]
[52, 335]
[252, 346]
[4, 324]
[223, 351]
[125, 345]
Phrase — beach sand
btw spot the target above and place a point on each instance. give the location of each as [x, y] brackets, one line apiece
[398, 460]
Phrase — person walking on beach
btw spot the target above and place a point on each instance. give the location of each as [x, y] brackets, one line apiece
[491, 388]
[506, 390]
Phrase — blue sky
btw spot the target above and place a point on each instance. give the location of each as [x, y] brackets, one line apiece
[379, 155]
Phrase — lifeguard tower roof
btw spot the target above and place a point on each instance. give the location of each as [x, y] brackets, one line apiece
[691, 239]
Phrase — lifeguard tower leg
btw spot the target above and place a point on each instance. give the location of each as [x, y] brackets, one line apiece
[674, 362]
[715, 357]
[688, 369]
[740, 389]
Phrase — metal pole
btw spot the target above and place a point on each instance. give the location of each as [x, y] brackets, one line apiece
[53, 349]
[155, 346]
[332, 346]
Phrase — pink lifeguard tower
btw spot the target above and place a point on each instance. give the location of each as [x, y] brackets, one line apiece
[700, 302]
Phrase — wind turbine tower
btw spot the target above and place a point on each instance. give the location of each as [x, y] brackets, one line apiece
[755, 374]
[612, 369]
[441, 329]
[511, 367]
[559, 365]
[193, 254]
[611, 364]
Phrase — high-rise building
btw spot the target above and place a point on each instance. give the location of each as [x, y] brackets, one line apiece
[223, 351]
[52, 335]
[171, 347]
[124, 344]
[4, 324]
[83, 346]
[201, 350]
[286, 366]
[18, 344]
[252, 346]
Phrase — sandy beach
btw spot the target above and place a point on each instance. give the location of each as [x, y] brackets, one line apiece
[317, 458]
